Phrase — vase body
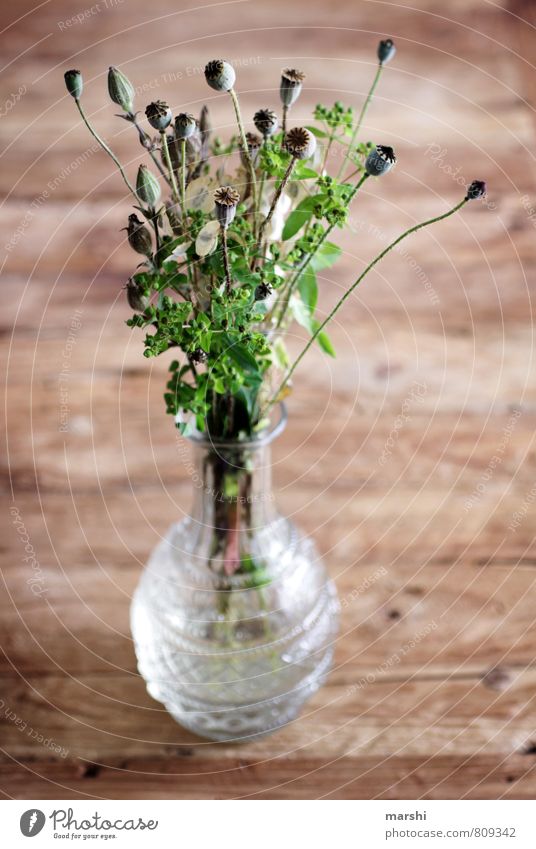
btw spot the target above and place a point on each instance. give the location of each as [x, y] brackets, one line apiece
[234, 619]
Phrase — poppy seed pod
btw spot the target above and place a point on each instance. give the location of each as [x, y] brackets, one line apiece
[136, 297]
[198, 356]
[120, 89]
[300, 143]
[226, 200]
[476, 190]
[74, 83]
[386, 51]
[147, 187]
[220, 75]
[185, 125]
[266, 122]
[263, 291]
[139, 237]
[159, 115]
[291, 86]
[380, 161]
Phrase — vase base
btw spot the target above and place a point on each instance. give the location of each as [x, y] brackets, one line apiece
[248, 670]
[244, 723]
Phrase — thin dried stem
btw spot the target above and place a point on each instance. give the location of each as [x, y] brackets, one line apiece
[225, 252]
[245, 148]
[148, 147]
[275, 201]
[349, 291]
[284, 123]
[183, 181]
[295, 279]
[169, 166]
[360, 119]
[106, 149]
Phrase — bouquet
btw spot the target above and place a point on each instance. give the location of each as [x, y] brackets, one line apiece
[233, 234]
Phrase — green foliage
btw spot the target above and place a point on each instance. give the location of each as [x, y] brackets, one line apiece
[336, 118]
[225, 331]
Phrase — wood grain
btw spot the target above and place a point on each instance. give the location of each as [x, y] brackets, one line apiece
[427, 526]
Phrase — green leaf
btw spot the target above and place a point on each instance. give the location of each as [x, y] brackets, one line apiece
[281, 354]
[308, 289]
[326, 256]
[303, 317]
[298, 217]
[325, 343]
[205, 340]
[301, 314]
[241, 356]
[320, 134]
[302, 172]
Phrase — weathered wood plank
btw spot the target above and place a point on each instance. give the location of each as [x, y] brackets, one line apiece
[446, 777]
[383, 718]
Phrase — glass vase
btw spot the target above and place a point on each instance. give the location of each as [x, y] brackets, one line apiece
[234, 619]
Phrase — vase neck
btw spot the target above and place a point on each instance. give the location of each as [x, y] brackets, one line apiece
[233, 503]
[232, 483]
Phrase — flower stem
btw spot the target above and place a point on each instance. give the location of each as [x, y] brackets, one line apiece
[154, 221]
[147, 144]
[349, 291]
[295, 280]
[284, 123]
[245, 148]
[106, 149]
[275, 201]
[326, 151]
[261, 187]
[183, 181]
[226, 259]
[169, 166]
[360, 119]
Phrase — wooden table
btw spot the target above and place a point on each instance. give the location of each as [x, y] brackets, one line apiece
[408, 456]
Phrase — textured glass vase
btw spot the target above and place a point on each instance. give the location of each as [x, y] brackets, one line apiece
[234, 619]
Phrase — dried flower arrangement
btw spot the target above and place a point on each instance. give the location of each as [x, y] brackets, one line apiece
[230, 257]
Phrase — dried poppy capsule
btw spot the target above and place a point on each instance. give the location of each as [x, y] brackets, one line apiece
[220, 75]
[147, 187]
[300, 143]
[266, 122]
[226, 200]
[263, 291]
[139, 237]
[159, 115]
[120, 89]
[74, 83]
[476, 190]
[291, 86]
[380, 160]
[185, 125]
[198, 356]
[386, 51]
[136, 297]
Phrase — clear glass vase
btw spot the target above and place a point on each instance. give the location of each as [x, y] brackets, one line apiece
[234, 619]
